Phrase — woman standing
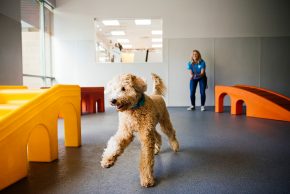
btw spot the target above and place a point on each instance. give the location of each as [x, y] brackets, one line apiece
[196, 69]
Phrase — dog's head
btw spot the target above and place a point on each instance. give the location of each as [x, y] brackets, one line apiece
[125, 91]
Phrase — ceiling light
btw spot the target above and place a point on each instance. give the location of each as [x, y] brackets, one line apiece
[156, 32]
[156, 45]
[127, 46]
[111, 22]
[143, 22]
[123, 40]
[117, 33]
[156, 39]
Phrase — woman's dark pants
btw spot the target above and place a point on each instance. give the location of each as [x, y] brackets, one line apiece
[202, 87]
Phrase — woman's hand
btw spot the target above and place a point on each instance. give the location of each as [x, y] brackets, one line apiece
[191, 73]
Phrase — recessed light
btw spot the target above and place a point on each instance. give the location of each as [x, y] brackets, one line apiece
[127, 46]
[143, 22]
[156, 45]
[156, 32]
[156, 39]
[117, 33]
[123, 40]
[111, 22]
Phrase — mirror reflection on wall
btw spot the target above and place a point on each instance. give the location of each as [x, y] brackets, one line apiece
[128, 40]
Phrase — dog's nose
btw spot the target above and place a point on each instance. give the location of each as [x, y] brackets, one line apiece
[113, 101]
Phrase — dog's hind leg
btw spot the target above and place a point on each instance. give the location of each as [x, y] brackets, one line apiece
[167, 128]
[158, 142]
[115, 147]
[147, 157]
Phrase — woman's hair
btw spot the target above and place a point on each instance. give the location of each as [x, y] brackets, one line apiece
[198, 53]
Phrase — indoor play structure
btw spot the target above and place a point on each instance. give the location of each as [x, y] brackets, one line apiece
[259, 102]
[28, 127]
[89, 97]
[13, 87]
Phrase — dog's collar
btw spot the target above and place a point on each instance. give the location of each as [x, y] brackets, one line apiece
[140, 103]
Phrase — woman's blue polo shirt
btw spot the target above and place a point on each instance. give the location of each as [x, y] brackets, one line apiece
[196, 68]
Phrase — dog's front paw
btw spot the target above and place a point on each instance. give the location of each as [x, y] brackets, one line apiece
[106, 163]
[156, 149]
[147, 182]
[174, 145]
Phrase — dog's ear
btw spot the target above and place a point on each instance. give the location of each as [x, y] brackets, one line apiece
[140, 84]
[131, 77]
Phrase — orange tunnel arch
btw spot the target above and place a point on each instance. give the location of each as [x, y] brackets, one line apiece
[39, 145]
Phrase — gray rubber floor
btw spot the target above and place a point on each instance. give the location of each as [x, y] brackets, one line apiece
[219, 153]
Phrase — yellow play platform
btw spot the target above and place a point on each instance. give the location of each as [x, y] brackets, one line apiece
[28, 127]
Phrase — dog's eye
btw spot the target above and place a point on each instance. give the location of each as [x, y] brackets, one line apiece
[123, 89]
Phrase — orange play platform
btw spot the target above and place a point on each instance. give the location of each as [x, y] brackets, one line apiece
[259, 102]
[28, 127]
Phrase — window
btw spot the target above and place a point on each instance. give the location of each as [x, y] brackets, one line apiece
[128, 40]
[36, 22]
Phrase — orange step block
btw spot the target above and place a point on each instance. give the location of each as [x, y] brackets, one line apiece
[89, 97]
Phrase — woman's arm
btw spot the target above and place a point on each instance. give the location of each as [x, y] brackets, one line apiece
[189, 69]
[202, 72]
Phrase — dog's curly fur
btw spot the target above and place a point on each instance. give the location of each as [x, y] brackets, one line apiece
[126, 91]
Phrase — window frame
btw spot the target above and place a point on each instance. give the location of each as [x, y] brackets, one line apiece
[43, 52]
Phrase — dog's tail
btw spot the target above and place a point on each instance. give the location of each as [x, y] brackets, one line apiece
[158, 86]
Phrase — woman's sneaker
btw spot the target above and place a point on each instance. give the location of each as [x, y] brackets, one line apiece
[202, 108]
[191, 108]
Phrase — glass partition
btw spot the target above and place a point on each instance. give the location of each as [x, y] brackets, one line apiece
[128, 40]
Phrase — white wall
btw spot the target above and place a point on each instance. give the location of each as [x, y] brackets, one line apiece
[10, 43]
[187, 24]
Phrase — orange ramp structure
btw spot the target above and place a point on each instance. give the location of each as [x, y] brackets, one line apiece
[28, 127]
[261, 103]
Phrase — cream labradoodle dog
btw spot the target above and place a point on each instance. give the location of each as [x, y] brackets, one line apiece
[139, 113]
